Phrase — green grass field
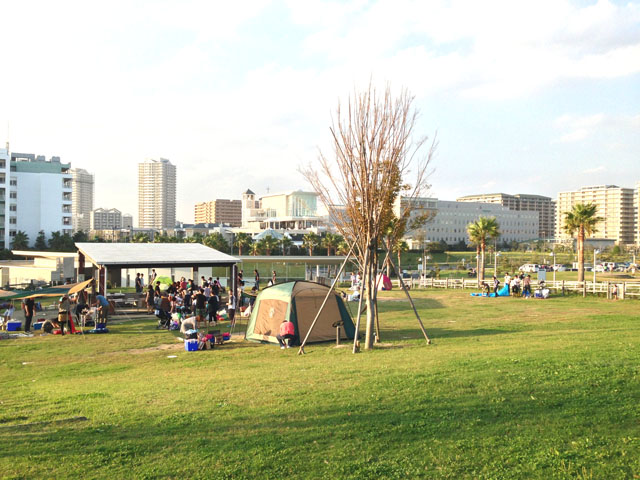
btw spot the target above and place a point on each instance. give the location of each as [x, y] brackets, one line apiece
[510, 388]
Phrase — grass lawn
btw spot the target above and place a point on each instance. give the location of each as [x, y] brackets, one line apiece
[510, 388]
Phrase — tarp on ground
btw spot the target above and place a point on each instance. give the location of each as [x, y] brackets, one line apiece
[503, 292]
[299, 302]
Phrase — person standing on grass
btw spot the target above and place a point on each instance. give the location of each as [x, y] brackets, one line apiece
[507, 282]
[212, 308]
[64, 306]
[201, 305]
[526, 287]
[153, 276]
[287, 334]
[256, 276]
[149, 299]
[138, 283]
[273, 277]
[231, 308]
[496, 284]
[29, 306]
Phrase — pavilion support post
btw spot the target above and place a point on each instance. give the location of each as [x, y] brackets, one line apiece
[333, 284]
[81, 260]
[102, 280]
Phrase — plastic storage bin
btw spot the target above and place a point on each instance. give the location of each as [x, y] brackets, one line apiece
[191, 345]
[37, 325]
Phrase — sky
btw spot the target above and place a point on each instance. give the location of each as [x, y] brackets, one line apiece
[525, 97]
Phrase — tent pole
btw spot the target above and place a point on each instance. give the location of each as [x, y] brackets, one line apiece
[333, 284]
[378, 278]
[356, 334]
[404, 288]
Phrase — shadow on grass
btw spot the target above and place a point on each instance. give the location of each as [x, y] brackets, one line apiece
[341, 441]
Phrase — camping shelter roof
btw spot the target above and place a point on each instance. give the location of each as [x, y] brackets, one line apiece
[154, 255]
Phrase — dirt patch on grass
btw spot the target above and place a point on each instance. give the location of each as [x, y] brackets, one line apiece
[164, 346]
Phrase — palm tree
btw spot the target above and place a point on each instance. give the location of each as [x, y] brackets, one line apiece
[285, 243]
[479, 231]
[331, 242]
[20, 240]
[310, 241]
[254, 248]
[140, 238]
[581, 220]
[241, 241]
[342, 248]
[399, 247]
[216, 241]
[268, 243]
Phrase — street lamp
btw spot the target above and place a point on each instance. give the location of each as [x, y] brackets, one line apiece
[495, 263]
[595, 252]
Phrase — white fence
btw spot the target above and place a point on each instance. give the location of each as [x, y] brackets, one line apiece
[625, 289]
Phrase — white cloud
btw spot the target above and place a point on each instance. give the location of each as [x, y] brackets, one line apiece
[580, 127]
[598, 169]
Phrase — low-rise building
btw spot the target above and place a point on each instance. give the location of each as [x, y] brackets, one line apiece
[291, 212]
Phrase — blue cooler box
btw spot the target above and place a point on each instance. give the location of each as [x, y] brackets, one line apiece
[38, 325]
[191, 345]
[13, 326]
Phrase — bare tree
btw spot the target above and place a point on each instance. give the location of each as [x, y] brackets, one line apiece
[376, 162]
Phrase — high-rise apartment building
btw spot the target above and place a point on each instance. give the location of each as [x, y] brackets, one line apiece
[545, 206]
[106, 219]
[82, 190]
[156, 194]
[614, 204]
[219, 211]
[127, 221]
[35, 195]
[636, 212]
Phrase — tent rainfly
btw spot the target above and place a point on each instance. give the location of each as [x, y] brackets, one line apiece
[298, 302]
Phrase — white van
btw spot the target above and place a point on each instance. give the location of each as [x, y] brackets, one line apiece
[529, 268]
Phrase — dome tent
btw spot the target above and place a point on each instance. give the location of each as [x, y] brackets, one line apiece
[299, 302]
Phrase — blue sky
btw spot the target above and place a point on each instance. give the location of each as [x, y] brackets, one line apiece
[526, 97]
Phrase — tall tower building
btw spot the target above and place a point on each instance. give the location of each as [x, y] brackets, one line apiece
[156, 194]
[82, 185]
[615, 205]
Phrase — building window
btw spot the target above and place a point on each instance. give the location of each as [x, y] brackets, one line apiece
[13, 194]
[66, 221]
[13, 182]
[12, 221]
[13, 208]
[12, 233]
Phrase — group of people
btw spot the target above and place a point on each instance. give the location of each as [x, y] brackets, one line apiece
[185, 298]
[69, 307]
[516, 285]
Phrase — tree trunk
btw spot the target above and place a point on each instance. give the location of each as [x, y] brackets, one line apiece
[369, 278]
[478, 265]
[580, 242]
[483, 246]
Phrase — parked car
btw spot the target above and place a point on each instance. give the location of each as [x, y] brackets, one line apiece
[558, 267]
[600, 268]
[529, 268]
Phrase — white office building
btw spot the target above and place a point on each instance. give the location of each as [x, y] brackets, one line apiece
[82, 191]
[448, 220]
[35, 195]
